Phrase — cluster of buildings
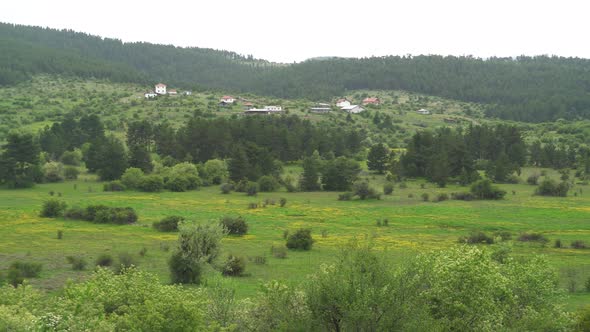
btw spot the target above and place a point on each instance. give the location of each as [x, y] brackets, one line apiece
[249, 108]
[160, 89]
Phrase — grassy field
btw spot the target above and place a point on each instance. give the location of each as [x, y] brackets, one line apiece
[414, 226]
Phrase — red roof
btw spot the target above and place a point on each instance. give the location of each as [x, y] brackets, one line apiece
[227, 97]
[172, 90]
[371, 100]
[161, 84]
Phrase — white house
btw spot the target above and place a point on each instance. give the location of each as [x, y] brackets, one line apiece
[160, 88]
[354, 109]
[188, 93]
[150, 94]
[342, 103]
[265, 110]
[172, 92]
[273, 108]
[423, 111]
[227, 99]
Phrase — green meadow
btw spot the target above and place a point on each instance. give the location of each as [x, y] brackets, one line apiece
[415, 226]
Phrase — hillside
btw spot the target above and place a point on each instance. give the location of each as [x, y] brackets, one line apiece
[532, 89]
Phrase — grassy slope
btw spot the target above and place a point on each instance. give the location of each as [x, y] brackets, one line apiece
[414, 226]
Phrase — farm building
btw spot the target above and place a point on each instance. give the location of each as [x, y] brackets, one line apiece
[266, 110]
[354, 109]
[343, 102]
[371, 101]
[160, 88]
[423, 111]
[172, 92]
[150, 94]
[227, 100]
[320, 108]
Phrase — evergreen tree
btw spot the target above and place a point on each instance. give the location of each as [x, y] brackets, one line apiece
[339, 174]
[238, 165]
[108, 158]
[140, 157]
[19, 165]
[378, 158]
[310, 179]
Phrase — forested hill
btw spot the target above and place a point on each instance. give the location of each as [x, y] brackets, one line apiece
[525, 88]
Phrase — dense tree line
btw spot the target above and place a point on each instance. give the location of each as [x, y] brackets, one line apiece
[532, 89]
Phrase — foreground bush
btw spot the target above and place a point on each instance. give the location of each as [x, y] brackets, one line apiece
[53, 208]
[168, 224]
[234, 225]
[300, 239]
[234, 266]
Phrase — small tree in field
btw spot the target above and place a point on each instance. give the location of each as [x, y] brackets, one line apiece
[301, 239]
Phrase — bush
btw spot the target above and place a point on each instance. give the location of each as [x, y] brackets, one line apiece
[132, 177]
[252, 205]
[53, 208]
[234, 266]
[300, 239]
[345, 196]
[558, 244]
[126, 260]
[483, 189]
[278, 252]
[75, 213]
[151, 183]
[78, 263]
[463, 196]
[388, 188]
[533, 179]
[548, 187]
[104, 260]
[533, 237]
[178, 183]
[26, 269]
[60, 234]
[503, 235]
[282, 201]
[226, 188]
[442, 197]
[477, 238]
[103, 214]
[71, 172]
[364, 191]
[252, 189]
[114, 186]
[168, 224]
[425, 197]
[234, 225]
[72, 158]
[182, 271]
[578, 244]
[53, 172]
[268, 183]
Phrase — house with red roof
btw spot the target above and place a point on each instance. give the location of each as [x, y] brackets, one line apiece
[343, 102]
[371, 101]
[160, 88]
[227, 100]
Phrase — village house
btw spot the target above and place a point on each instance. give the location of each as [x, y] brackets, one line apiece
[423, 111]
[343, 102]
[160, 89]
[227, 100]
[188, 93]
[247, 105]
[320, 108]
[266, 110]
[150, 94]
[371, 101]
[353, 109]
[172, 92]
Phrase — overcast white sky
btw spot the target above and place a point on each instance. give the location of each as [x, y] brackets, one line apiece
[287, 31]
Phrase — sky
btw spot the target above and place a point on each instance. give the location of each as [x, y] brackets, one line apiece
[292, 31]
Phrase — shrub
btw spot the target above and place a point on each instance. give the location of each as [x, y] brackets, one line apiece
[252, 205]
[425, 197]
[477, 238]
[345, 196]
[132, 177]
[72, 158]
[388, 188]
[442, 197]
[268, 183]
[182, 271]
[71, 172]
[234, 266]
[300, 240]
[115, 185]
[558, 244]
[168, 224]
[104, 260]
[252, 189]
[78, 263]
[116, 215]
[548, 187]
[403, 185]
[178, 183]
[533, 237]
[364, 191]
[53, 172]
[503, 235]
[483, 189]
[533, 179]
[26, 269]
[226, 188]
[463, 196]
[259, 260]
[75, 213]
[126, 260]
[278, 252]
[578, 244]
[53, 208]
[242, 186]
[143, 251]
[282, 201]
[587, 286]
[234, 225]
[60, 234]
[151, 183]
